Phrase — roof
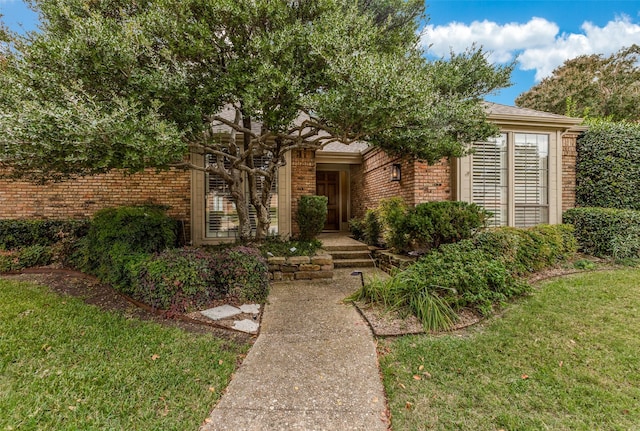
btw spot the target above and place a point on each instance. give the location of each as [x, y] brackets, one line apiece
[503, 114]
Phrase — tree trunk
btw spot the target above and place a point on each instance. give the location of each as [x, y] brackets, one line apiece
[242, 207]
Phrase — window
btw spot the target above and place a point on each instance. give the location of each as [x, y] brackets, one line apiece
[511, 179]
[221, 218]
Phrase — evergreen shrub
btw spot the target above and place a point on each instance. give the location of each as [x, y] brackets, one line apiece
[311, 216]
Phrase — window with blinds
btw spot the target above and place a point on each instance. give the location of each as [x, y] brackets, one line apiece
[517, 173]
[531, 173]
[490, 178]
[221, 217]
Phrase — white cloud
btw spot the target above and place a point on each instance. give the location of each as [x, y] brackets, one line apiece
[538, 42]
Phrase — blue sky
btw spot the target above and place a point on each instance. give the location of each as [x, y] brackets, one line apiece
[542, 34]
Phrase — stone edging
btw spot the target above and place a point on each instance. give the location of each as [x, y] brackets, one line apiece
[300, 267]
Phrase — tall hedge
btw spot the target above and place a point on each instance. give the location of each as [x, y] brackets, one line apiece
[608, 166]
[606, 232]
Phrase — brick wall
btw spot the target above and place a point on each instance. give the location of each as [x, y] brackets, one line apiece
[371, 182]
[569, 170]
[82, 197]
[303, 180]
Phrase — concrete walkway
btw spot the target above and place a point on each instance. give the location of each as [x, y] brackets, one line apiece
[313, 366]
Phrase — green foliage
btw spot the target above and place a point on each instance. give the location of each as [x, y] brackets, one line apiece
[131, 85]
[476, 273]
[606, 232]
[357, 228]
[372, 228]
[591, 86]
[25, 257]
[120, 235]
[22, 233]
[392, 213]
[177, 279]
[242, 272]
[278, 247]
[608, 166]
[311, 216]
[431, 224]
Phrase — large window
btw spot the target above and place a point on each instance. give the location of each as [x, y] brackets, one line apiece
[221, 218]
[511, 179]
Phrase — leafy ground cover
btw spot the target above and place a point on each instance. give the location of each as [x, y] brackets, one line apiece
[564, 358]
[65, 365]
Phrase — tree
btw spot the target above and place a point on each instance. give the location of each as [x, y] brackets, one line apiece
[129, 85]
[591, 86]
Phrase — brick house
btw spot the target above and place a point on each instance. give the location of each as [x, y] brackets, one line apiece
[525, 176]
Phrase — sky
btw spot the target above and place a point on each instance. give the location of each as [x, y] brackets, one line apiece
[539, 35]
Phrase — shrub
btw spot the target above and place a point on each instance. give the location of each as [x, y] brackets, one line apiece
[118, 235]
[26, 257]
[24, 233]
[278, 247]
[606, 232]
[475, 273]
[357, 227]
[392, 214]
[372, 228]
[176, 279]
[242, 272]
[607, 166]
[311, 216]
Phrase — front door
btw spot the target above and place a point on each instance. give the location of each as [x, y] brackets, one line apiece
[328, 184]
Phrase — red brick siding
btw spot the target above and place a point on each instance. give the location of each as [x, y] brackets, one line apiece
[82, 197]
[303, 180]
[569, 170]
[420, 182]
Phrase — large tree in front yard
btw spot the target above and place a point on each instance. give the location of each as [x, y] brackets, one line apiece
[129, 85]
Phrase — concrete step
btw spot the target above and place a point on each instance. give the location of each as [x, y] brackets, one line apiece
[350, 254]
[353, 263]
[345, 247]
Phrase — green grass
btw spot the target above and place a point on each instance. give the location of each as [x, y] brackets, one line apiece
[565, 358]
[65, 365]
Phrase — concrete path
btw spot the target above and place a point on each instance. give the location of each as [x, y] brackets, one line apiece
[313, 366]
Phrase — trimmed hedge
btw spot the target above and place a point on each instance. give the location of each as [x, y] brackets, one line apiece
[606, 232]
[184, 279]
[475, 273]
[608, 166]
[25, 233]
[311, 216]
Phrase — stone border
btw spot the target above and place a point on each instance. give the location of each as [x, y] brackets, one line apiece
[300, 267]
[390, 262]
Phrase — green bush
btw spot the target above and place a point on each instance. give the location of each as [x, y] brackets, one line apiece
[608, 166]
[392, 213]
[476, 273]
[372, 228]
[357, 227]
[242, 272]
[16, 234]
[606, 232]
[311, 216]
[431, 224]
[119, 235]
[26, 257]
[274, 246]
[177, 279]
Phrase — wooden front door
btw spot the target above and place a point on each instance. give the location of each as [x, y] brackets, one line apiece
[328, 184]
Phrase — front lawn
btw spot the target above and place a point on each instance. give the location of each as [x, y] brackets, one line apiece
[565, 358]
[65, 365]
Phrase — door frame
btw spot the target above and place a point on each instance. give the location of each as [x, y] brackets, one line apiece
[344, 192]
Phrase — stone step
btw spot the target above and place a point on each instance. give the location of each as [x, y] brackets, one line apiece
[353, 263]
[346, 247]
[350, 254]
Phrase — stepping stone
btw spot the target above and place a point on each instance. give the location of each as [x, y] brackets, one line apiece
[250, 308]
[222, 312]
[246, 325]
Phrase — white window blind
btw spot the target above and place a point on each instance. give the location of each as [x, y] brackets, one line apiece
[530, 194]
[490, 178]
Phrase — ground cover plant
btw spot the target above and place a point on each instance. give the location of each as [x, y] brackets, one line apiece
[474, 273]
[64, 365]
[563, 359]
